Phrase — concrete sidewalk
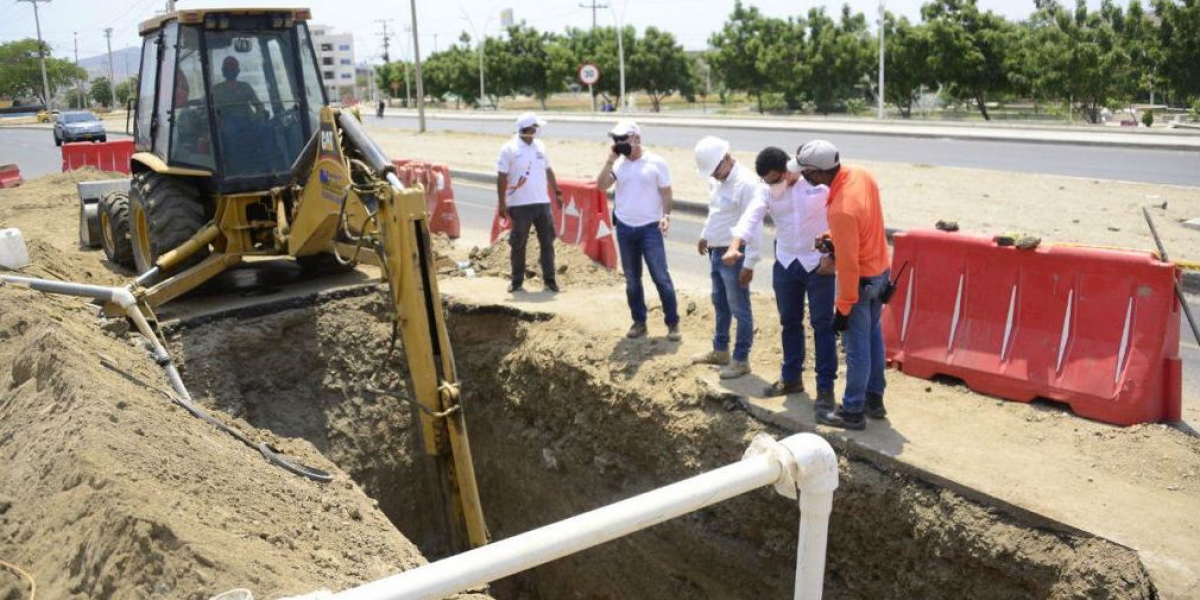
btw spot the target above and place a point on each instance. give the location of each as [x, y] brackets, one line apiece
[1084, 135]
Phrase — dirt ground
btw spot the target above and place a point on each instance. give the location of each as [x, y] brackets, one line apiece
[1058, 209]
[101, 472]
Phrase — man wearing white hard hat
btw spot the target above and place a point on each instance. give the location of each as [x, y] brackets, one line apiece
[523, 181]
[731, 190]
[642, 217]
[863, 268]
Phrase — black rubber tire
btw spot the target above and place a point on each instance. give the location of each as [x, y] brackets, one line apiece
[173, 211]
[114, 225]
[103, 139]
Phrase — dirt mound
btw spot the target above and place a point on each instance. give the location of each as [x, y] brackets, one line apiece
[574, 268]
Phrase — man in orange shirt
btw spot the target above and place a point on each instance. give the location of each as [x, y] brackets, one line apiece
[860, 245]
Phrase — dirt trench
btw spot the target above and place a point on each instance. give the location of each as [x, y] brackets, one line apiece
[562, 423]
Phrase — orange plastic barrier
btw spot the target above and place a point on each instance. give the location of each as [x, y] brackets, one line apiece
[106, 156]
[10, 176]
[439, 194]
[1095, 329]
[583, 220]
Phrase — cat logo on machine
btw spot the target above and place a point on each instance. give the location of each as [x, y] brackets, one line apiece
[326, 141]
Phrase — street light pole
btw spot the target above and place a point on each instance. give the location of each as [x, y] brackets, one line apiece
[41, 52]
[620, 52]
[882, 22]
[417, 70]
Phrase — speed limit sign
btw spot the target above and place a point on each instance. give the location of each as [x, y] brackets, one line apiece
[589, 74]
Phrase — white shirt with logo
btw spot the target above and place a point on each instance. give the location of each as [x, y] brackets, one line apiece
[638, 181]
[525, 165]
[727, 201]
[800, 217]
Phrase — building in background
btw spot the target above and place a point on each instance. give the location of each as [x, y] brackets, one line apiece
[335, 57]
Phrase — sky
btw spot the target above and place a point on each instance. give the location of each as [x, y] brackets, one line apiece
[440, 22]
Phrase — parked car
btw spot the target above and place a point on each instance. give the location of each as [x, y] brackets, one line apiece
[77, 126]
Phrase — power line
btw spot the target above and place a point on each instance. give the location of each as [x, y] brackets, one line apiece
[594, 5]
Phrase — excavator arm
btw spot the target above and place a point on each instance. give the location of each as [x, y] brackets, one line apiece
[347, 193]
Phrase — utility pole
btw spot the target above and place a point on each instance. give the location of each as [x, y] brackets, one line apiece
[78, 82]
[384, 23]
[111, 75]
[594, 5]
[417, 63]
[407, 85]
[41, 52]
[882, 23]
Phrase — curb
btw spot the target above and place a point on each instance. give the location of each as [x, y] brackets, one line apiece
[1191, 278]
[1187, 141]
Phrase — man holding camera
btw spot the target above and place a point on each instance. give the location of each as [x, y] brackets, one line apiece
[858, 237]
[642, 218]
[801, 271]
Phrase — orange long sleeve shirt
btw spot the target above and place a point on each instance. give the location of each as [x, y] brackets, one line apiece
[856, 226]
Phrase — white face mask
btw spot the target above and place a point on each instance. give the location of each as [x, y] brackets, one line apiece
[778, 188]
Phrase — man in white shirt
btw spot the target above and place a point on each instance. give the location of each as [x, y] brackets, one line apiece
[731, 191]
[800, 270]
[523, 180]
[642, 218]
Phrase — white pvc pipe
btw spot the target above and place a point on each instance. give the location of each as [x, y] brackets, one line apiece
[767, 462]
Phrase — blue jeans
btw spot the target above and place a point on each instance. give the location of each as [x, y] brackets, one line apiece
[645, 243]
[792, 284]
[730, 301]
[863, 341]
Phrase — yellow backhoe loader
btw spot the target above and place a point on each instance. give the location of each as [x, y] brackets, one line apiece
[238, 154]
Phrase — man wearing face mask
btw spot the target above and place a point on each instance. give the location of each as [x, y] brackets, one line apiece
[800, 271]
[731, 192]
[642, 217]
[859, 239]
[523, 178]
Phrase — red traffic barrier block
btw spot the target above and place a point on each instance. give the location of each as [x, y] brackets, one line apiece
[582, 220]
[106, 156]
[10, 176]
[1095, 329]
[439, 194]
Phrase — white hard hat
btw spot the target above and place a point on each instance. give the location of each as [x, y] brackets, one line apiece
[710, 151]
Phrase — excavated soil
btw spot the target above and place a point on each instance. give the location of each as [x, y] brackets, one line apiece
[110, 491]
[573, 268]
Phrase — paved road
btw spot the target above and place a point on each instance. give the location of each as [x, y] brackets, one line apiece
[1176, 167]
[477, 205]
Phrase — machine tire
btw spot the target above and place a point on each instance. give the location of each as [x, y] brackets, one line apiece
[114, 229]
[164, 212]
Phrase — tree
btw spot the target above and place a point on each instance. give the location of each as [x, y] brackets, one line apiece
[101, 92]
[390, 77]
[905, 62]
[840, 53]
[968, 49]
[599, 47]
[537, 64]
[453, 72]
[742, 51]
[125, 90]
[1179, 41]
[660, 67]
[21, 74]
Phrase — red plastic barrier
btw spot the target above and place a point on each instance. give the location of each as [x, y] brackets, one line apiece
[106, 156]
[583, 220]
[1095, 329]
[439, 194]
[10, 176]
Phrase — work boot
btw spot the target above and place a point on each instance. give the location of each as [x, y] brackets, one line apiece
[783, 388]
[715, 357]
[735, 369]
[843, 419]
[514, 288]
[825, 401]
[551, 286]
[673, 333]
[637, 330]
[875, 408]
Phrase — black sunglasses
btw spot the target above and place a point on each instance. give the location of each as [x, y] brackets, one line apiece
[620, 138]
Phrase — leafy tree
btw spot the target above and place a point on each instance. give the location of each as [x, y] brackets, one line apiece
[841, 55]
[101, 92]
[453, 72]
[125, 90]
[1179, 41]
[21, 74]
[537, 64]
[742, 51]
[905, 62]
[968, 49]
[659, 66]
[599, 47]
[390, 77]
